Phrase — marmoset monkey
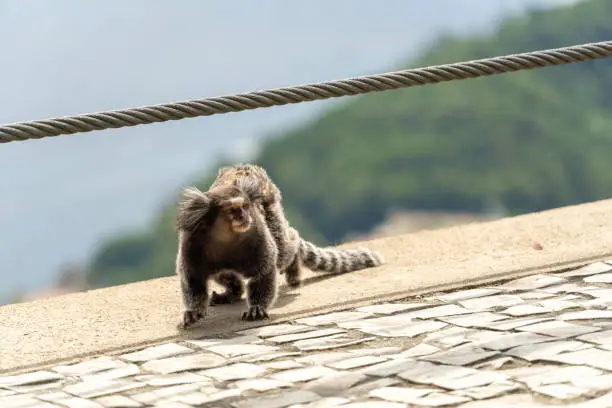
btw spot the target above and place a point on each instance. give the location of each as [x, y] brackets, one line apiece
[223, 236]
[211, 224]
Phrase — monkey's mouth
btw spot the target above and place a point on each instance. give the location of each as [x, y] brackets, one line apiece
[240, 226]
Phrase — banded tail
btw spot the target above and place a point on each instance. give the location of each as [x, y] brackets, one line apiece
[337, 260]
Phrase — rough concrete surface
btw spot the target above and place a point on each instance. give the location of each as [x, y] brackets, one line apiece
[95, 322]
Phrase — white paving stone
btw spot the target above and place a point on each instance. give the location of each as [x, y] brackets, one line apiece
[356, 362]
[184, 363]
[302, 374]
[329, 342]
[545, 351]
[157, 352]
[492, 302]
[390, 308]
[35, 377]
[276, 330]
[410, 329]
[533, 282]
[559, 329]
[591, 269]
[287, 338]
[332, 318]
[98, 388]
[592, 357]
[92, 366]
[479, 319]
[118, 401]
[239, 371]
[234, 350]
[468, 294]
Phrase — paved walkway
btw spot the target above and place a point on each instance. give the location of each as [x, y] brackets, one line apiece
[543, 340]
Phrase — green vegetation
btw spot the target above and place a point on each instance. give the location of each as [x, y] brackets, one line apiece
[531, 140]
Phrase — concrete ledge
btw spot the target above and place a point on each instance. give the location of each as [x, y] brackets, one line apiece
[73, 326]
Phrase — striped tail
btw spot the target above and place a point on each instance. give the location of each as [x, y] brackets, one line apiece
[337, 260]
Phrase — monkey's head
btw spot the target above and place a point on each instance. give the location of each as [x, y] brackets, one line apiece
[234, 208]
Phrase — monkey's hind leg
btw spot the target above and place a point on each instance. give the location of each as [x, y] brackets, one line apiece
[234, 288]
[261, 294]
[293, 273]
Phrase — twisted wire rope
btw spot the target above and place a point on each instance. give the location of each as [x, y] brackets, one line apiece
[303, 93]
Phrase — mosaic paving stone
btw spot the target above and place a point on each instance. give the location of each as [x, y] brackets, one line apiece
[239, 371]
[560, 391]
[90, 366]
[489, 391]
[545, 351]
[302, 374]
[410, 329]
[461, 355]
[284, 399]
[287, 338]
[480, 319]
[389, 368]
[592, 269]
[332, 318]
[532, 282]
[234, 350]
[276, 330]
[493, 302]
[601, 278]
[511, 324]
[113, 374]
[329, 342]
[243, 339]
[436, 311]
[35, 377]
[118, 401]
[422, 349]
[559, 329]
[591, 357]
[355, 362]
[157, 352]
[98, 388]
[450, 377]
[587, 315]
[505, 341]
[468, 294]
[526, 310]
[602, 337]
[334, 384]
[390, 308]
[183, 363]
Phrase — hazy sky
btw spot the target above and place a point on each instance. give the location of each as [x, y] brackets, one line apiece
[63, 196]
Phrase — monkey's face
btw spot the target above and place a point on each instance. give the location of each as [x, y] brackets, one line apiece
[238, 215]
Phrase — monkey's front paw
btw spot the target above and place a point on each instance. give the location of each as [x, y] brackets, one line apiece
[190, 317]
[255, 313]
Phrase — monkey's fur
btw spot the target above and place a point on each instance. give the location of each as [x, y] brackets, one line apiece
[223, 236]
[293, 251]
[200, 224]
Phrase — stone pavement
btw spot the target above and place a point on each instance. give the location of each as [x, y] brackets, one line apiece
[539, 341]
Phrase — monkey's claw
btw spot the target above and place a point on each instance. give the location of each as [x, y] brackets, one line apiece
[190, 317]
[255, 313]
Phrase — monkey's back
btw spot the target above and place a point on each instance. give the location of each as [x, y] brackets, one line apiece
[232, 175]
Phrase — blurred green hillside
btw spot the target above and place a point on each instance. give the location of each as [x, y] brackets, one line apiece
[531, 140]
